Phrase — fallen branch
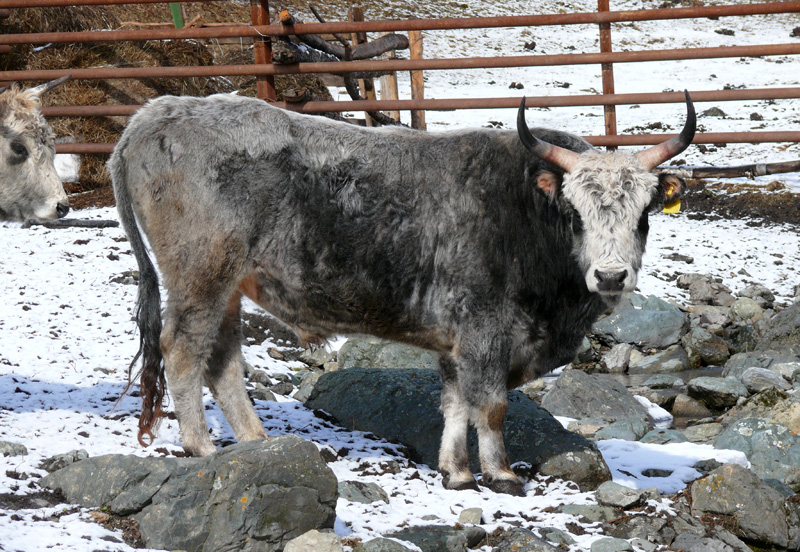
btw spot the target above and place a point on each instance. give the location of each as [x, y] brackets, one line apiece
[746, 171]
[72, 223]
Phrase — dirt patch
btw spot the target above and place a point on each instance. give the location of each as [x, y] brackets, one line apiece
[770, 205]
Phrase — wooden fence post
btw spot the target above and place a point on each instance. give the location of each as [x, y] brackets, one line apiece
[262, 50]
[607, 71]
[356, 13]
[389, 89]
[417, 79]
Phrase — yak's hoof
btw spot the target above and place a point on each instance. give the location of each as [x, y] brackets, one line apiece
[507, 486]
[470, 485]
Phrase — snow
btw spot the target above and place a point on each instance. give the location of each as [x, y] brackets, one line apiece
[67, 335]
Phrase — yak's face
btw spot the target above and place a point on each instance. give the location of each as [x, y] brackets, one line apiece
[609, 197]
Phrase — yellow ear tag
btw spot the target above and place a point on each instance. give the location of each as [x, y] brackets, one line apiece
[673, 206]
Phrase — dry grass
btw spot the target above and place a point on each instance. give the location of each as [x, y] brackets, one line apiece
[93, 178]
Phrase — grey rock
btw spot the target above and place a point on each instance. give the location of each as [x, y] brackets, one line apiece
[7, 448]
[703, 433]
[654, 529]
[775, 404]
[307, 385]
[618, 358]
[260, 376]
[316, 356]
[590, 513]
[365, 493]
[598, 396]
[710, 293]
[643, 545]
[773, 450]
[693, 543]
[256, 495]
[586, 427]
[784, 331]
[518, 539]
[317, 541]
[403, 405]
[665, 398]
[711, 315]
[790, 371]
[687, 407]
[381, 545]
[745, 311]
[644, 328]
[707, 466]
[585, 352]
[671, 359]
[59, 461]
[556, 536]
[704, 348]
[610, 544]
[441, 538]
[373, 352]
[738, 363]
[628, 429]
[663, 381]
[472, 516]
[758, 511]
[761, 379]
[760, 294]
[717, 393]
[654, 303]
[262, 393]
[685, 281]
[619, 496]
[664, 436]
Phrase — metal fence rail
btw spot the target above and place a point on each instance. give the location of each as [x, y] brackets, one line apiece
[264, 70]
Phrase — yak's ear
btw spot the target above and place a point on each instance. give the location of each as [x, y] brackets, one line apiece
[549, 183]
[670, 190]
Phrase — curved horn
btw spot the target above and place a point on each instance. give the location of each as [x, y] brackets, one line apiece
[558, 156]
[42, 88]
[654, 156]
[3, 89]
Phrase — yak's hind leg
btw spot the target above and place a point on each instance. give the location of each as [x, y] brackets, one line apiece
[483, 363]
[225, 376]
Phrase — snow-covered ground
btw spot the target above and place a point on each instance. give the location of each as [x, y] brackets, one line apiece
[67, 335]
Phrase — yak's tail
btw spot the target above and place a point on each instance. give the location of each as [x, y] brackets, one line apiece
[152, 379]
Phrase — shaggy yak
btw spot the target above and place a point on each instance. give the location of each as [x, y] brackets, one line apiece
[496, 249]
[30, 189]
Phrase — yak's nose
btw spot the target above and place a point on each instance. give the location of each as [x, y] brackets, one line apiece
[610, 281]
[62, 209]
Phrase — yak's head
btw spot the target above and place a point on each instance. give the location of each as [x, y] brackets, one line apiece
[608, 197]
[29, 185]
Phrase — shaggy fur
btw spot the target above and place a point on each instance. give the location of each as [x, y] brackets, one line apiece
[443, 240]
[29, 185]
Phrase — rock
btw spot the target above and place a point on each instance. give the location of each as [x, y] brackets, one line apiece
[255, 495]
[629, 429]
[717, 393]
[653, 303]
[610, 544]
[711, 315]
[262, 393]
[644, 328]
[365, 493]
[672, 359]
[59, 461]
[773, 450]
[704, 348]
[472, 516]
[316, 356]
[784, 331]
[664, 436]
[618, 496]
[307, 385]
[403, 405]
[587, 427]
[693, 543]
[518, 539]
[687, 407]
[8, 448]
[580, 395]
[316, 541]
[591, 513]
[260, 376]
[617, 359]
[740, 362]
[790, 371]
[381, 545]
[745, 311]
[283, 388]
[703, 433]
[758, 512]
[760, 294]
[373, 352]
[685, 281]
[710, 292]
[441, 538]
[772, 403]
[556, 536]
[663, 381]
[585, 352]
[761, 379]
[664, 398]
[644, 527]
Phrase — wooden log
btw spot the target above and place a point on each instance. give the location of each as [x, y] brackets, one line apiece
[739, 171]
[72, 223]
[356, 13]
[417, 80]
[389, 89]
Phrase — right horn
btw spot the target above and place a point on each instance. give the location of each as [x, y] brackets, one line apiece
[42, 88]
[654, 156]
[558, 156]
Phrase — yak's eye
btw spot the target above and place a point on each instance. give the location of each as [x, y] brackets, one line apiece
[577, 224]
[19, 149]
[644, 224]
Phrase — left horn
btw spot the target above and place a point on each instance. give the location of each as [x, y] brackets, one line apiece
[558, 156]
[653, 157]
[42, 88]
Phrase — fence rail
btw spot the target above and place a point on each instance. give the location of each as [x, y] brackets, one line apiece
[264, 70]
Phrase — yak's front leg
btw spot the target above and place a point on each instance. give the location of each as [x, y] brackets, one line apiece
[453, 456]
[484, 364]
